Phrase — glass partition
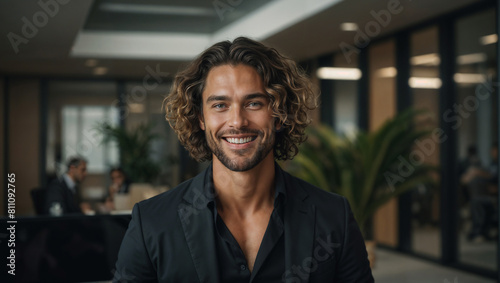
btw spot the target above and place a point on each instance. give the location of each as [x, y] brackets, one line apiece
[425, 84]
[382, 100]
[144, 107]
[74, 111]
[476, 120]
[345, 99]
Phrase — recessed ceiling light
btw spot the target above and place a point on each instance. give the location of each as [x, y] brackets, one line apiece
[428, 83]
[431, 59]
[99, 71]
[471, 58]
[156, 9]
[331, 73]
[488, 39]
[349, 26]
[91, 62]
[464, 78]
[389, 72]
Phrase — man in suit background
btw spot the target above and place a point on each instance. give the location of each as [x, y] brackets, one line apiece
[242, 105]
[62, 195]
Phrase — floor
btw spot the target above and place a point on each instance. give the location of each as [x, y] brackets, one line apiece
[393, 267]
[427, 241]
[478, 253]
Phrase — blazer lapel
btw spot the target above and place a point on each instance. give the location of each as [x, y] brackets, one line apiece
[299, 233]
[198, 225]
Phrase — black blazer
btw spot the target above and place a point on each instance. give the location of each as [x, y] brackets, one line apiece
[171, 237]
[58, 191]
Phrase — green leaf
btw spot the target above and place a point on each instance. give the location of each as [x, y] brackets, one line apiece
[354, 167]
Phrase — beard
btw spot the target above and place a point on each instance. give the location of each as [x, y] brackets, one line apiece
[263, 149]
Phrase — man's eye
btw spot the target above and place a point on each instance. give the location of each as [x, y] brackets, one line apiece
[218, 106]
[255, 104]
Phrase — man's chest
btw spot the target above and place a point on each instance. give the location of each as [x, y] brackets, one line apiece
[244, 246]
[248, 235]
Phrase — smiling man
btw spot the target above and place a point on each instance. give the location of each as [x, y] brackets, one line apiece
[242, 106]
[234, 97]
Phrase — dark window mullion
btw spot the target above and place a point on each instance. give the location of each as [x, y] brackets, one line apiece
[448, 151]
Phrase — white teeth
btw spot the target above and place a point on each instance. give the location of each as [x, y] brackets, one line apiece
[240, 140]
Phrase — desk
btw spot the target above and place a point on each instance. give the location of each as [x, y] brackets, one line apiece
[73, 248]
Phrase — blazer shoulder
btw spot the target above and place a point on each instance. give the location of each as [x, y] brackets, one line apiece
[165, 202]
[315, 194]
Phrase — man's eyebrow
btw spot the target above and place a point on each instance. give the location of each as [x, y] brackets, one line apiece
[226, 98]
[217, 98]
[256, 95]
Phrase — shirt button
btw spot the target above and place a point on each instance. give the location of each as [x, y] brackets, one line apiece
[243, 267]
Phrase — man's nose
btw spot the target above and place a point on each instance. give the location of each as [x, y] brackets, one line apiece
[238, 118]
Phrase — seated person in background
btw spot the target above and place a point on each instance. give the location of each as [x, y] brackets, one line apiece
[119, 181]
[470, 161]
[483, 184]
[119, 185]
[62, 196]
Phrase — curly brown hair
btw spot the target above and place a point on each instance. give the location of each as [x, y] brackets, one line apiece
[290, 92]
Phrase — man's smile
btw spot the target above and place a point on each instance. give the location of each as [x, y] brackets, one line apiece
[241, 140]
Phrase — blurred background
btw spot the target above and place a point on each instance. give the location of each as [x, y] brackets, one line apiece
[69, 70]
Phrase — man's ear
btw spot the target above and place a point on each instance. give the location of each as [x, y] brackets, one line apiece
[202, 122]
[278, 125]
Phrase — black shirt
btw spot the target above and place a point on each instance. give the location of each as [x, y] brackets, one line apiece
[269, 264]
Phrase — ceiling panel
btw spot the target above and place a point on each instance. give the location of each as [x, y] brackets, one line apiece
[190, 16]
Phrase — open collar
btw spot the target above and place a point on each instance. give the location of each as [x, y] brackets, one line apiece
[199, 226]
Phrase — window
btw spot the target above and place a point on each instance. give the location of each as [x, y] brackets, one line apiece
[477, 129]
[80, 136]
[74, 108]
[425, 84]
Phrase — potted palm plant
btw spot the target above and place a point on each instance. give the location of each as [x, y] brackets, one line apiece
[363, 167]
[135, 147]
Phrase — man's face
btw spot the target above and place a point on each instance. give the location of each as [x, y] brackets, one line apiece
[78, 173]
[237, 120]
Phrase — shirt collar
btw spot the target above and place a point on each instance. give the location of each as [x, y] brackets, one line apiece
[69, 182]
[279, 185]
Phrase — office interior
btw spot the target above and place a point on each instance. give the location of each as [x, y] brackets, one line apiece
[66, 66]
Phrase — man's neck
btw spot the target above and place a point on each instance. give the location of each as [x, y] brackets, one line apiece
[244, 193]
[70, 181]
